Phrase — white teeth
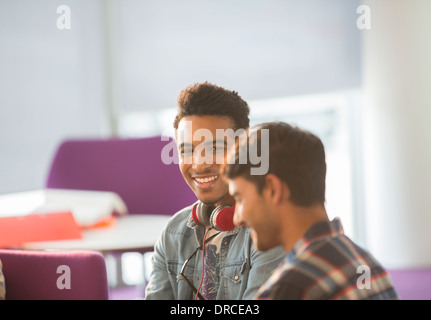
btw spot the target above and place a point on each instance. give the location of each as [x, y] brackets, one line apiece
[204, 180]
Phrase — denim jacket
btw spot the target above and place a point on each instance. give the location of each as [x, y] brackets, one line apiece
[243, 269]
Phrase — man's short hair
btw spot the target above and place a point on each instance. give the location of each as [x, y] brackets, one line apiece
[296, 156]
[207, 99]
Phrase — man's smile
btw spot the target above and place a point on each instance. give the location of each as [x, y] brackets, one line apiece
[205, 182]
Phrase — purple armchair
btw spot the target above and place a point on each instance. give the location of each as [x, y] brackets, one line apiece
[54, 275]
[133, 168]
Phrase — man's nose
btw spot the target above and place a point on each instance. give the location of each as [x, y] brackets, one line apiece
[200, 162]
[237, 216]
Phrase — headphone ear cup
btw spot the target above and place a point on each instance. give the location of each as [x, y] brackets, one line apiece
[200, 214]
[221, 218]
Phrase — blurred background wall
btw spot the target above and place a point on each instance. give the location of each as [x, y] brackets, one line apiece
[52, 85]
[357, 79]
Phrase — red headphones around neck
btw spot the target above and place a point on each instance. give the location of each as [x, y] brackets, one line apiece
[220, 218]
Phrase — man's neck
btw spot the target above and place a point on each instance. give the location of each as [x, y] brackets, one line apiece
[298, 220]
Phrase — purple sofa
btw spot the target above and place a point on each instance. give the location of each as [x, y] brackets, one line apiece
[133, 168]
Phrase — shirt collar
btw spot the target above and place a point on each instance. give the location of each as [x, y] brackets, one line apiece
[317, 232]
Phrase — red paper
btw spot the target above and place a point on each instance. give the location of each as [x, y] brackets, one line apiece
[15, 231]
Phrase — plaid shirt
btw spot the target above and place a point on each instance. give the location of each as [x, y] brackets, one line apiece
[325, 264]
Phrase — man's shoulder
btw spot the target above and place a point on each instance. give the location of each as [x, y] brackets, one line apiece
[178, 222]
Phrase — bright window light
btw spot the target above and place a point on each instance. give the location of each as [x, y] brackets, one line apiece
[133, 269]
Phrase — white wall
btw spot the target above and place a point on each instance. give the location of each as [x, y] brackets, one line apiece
[51, 85]
[397, 132]
[260, 48]
[60, 83]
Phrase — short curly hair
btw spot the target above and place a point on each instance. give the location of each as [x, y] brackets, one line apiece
[207, 99]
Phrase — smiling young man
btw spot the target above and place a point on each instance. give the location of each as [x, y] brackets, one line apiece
[286, 206]
[201, 254]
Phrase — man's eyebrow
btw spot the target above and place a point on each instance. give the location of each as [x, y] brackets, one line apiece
[187, 144]
[184, 144]
[216, 141]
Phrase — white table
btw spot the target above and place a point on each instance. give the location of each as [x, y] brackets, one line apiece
[129, 233]
[132, 232]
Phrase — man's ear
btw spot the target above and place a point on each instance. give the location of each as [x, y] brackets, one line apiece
[276, 188]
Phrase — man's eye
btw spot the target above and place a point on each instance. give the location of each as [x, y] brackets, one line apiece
[218, 148]
[187, 151]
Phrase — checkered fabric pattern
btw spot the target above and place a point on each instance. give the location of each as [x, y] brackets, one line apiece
[326, 265]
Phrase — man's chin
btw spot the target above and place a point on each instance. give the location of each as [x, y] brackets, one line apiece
[260, 247]
[208, 200]
[258, 244]
[209, 197]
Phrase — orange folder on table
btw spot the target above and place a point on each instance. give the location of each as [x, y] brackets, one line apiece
[16, 230]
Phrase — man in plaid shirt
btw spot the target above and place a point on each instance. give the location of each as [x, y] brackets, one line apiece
[285, 206]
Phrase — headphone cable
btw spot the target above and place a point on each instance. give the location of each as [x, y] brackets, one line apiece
[203, 259]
